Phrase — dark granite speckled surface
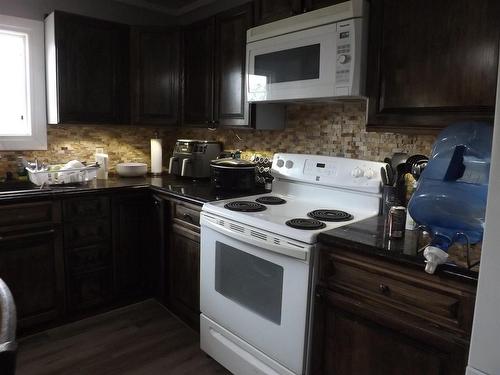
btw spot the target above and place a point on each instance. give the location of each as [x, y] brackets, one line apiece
[370, 237]
[196, 191]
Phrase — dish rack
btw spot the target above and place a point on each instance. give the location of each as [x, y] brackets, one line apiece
[58, 177]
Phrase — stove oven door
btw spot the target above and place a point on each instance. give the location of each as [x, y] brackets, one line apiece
[254, 303]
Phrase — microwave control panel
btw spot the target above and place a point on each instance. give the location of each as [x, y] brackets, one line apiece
[345, 50]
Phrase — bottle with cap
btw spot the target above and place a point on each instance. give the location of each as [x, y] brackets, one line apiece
[103, 160]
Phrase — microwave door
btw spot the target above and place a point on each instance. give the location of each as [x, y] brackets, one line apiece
[292, 66]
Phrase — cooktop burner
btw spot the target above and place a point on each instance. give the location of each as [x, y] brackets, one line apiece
[302, 223]
[330, 215]
[245, 206]
[269, 199]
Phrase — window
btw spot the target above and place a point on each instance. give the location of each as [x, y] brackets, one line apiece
[23, 123]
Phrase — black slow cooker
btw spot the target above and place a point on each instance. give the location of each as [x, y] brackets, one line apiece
[233, 174]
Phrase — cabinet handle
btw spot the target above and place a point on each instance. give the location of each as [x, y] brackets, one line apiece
[384, 289]
[27, 235]
[188, 217]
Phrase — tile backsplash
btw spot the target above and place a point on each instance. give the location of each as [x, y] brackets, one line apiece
[329, 129]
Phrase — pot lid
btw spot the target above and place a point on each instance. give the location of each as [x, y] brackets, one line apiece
[232, 163]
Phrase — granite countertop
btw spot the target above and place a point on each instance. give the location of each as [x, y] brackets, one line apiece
[196, 191]
[370, 237]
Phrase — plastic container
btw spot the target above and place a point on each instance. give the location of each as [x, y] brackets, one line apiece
[451, 193]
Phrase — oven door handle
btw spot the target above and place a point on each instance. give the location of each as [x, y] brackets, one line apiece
[287, 248]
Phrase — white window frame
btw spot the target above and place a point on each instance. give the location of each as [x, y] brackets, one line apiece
[38, 138]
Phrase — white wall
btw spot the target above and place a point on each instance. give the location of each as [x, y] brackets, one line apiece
[485, 348]
[105, 9]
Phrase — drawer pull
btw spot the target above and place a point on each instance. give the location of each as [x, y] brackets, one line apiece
[384, 289]
[27, 235]
[188, 217]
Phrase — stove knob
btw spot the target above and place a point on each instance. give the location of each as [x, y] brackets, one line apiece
[370, 173]
[357, 172]
[289, 164]
[280, 163]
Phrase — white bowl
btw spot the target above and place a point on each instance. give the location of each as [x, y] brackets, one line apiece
[132, 169]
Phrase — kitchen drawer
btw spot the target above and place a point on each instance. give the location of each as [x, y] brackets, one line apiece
[90, 258]
[86, 208]
[187, 213]
[398, 290]
[27, 214]
[86, 233]
[90, 290]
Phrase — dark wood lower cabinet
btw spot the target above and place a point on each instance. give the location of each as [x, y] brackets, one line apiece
[32, 266]
[374, 317]
[347, 343]
[185, 275]
[90, 290]
[130, 245]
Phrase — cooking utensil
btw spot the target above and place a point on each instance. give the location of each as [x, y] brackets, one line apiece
[414, 158]
[233, 174]
[418, 167]
[390, 174]
[383, 175]
[398, 158]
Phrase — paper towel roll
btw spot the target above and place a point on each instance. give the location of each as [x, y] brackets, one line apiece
[156, 156]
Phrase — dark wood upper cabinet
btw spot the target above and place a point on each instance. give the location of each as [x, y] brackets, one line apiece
[431, 63]
[91, 59]
[197, 77]
[231, 108]
[317, 4]
[268, 10]
[155, 64]
[272, 10]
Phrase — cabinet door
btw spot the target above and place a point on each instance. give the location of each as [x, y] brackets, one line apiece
[345, 343]
[158, 274]
[32, 266]
[90, 290]
[273, 10]
[92, 70]
[198, 85]
[231, 108]
[130, 245]
[317, 4]
[431, 63]
[184, 262]
[155, 72]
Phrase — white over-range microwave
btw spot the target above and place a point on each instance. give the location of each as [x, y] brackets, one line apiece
[316, 55]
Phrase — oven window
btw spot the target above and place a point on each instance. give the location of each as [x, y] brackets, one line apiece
[252, 282]
[289, 65]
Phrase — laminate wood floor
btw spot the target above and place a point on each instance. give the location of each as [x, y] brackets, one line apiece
[141, 339]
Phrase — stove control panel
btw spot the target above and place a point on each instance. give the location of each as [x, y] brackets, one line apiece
[331, 171]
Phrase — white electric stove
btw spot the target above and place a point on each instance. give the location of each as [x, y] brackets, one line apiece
[257, 257]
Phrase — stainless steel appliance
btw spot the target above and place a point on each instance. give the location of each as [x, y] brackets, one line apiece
[315, 55]
[191, 158]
